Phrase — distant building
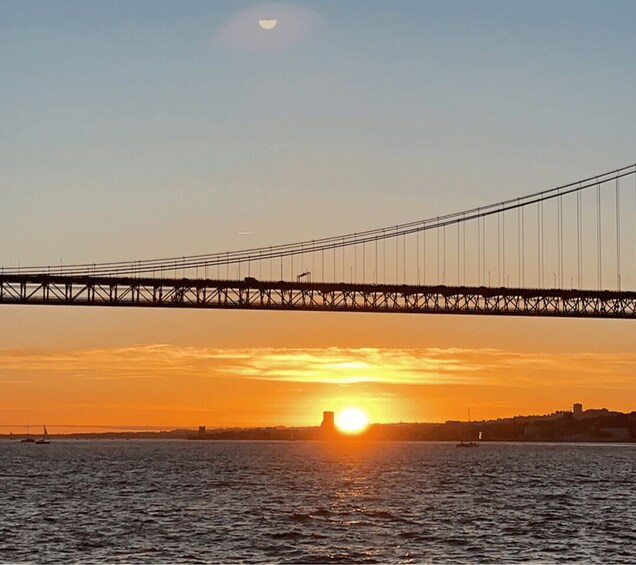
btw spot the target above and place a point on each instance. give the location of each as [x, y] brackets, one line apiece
[577, 410]
[328, 423]
[202, 431]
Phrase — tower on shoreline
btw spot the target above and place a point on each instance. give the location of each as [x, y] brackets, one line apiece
[328, 425]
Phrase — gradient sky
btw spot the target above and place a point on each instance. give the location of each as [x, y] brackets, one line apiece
[146, 129]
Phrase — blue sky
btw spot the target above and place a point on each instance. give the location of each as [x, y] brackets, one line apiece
[129, 129]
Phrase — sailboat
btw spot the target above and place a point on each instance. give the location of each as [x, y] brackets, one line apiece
[468, 443]
[44, 438]
[28, 438]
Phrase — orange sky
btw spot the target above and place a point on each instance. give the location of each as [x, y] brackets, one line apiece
[94, 367]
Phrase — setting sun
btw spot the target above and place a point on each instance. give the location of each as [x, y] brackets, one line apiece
[352, 421]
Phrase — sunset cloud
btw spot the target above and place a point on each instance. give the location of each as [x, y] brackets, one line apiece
[426, 366]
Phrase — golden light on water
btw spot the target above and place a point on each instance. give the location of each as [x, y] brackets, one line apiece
[352, 421]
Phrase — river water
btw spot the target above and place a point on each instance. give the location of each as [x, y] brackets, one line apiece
[306, 502]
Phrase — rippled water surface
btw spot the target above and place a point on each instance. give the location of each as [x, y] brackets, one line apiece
[171, 501]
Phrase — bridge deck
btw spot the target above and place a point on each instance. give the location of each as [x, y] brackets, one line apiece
[251, 294]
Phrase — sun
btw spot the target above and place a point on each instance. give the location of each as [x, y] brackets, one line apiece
[352, 421]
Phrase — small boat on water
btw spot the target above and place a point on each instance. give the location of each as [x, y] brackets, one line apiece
[28, 438]
[463, 443]
[467, 444]
[44, 438]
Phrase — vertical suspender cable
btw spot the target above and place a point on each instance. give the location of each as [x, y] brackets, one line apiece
[444, 264]
[334, 263]
[542, 248]
[322, 271]
[354, 277]
[538, 244]
[417, 255]
[560, 243]
[618, 236]
[464, 247]
[523, 246]
[498, 249]
[578, 238]
[375, 274]
[344, 278]
[458, 269]
[397, 256]
[519, 247]
[383, 258]
[424, 258]
[483, 254]
[404, 257]
[364, 258]
[599, 248]
[313, 263]
[635, 214]
[478, 250]
[437, 232]
[503, 246]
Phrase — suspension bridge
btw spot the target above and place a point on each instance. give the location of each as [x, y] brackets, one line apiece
[568, 251]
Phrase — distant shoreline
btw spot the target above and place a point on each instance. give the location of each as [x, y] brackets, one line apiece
[66, 439]
[595, 426]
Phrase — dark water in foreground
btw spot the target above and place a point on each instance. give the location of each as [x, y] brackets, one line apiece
[165, 501]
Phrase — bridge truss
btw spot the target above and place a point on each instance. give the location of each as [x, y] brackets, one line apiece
[329, 297]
